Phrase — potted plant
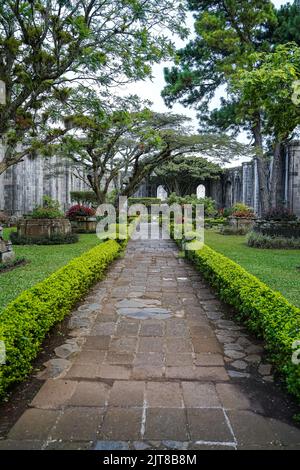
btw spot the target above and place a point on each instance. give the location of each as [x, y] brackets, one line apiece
[46, 224]
[82, 218]
[240, 220]
[278, 222]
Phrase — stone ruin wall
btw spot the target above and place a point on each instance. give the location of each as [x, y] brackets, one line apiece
[241, 184]
[23, 186]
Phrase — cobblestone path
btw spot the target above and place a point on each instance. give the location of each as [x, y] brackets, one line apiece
[151, 362]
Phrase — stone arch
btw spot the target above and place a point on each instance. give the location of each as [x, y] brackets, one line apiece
[201, 191]
[161, 193]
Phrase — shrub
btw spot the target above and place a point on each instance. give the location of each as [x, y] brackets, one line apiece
[243, 214]
[58, 239]
[242, 210]
[80, 211]
[214, 222]
[209, 203]
[146, 201]
[49, 210]
[226, 212]
[279, 214]
[258, 240]
[26, 321]
[265, 312]
[84, 197]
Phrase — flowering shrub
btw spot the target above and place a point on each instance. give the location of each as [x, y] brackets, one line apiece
[80, 211]
[280, 213]
[242, 210]
[244, 214]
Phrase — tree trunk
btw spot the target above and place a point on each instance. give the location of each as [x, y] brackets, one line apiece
[3, 167]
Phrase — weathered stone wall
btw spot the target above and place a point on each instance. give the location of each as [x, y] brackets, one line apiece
[23, 186]
[241, 184]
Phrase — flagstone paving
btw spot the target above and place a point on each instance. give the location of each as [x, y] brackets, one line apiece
[153, 362]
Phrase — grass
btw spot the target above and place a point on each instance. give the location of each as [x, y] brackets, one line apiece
[279, 269]
[43, 261]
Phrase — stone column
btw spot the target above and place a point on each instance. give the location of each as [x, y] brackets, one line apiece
[294, 177]
[256, 202]
[248, 184]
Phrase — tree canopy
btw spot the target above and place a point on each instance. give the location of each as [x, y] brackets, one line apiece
[237, 46]
[183, 174]
[119, 143]
[48, 45]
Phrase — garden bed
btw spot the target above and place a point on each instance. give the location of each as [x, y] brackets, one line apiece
[274, 228]
[276, 268]
[26, 321]
[10, 265]
[265, 312]
[42, 261]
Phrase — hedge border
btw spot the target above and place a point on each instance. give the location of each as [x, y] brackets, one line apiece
[265, 312]
[25, 322]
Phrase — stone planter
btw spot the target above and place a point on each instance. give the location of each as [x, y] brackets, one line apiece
[6, 252]
[241, 223]
[43, 228]
[274, 228]
[84, 224]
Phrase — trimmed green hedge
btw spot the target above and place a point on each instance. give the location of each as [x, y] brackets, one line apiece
[58, 239]
[265, 312]
[26, 321]
[146, 201]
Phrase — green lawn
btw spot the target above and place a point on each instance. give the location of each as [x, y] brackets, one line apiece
[276, 268]
[44, 260]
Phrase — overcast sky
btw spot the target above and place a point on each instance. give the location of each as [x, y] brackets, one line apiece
[151, 89]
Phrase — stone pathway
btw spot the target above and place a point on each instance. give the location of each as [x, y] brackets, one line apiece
[145, 368]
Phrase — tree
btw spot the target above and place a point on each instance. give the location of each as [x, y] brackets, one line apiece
[120, 148]
[267, 91]
[235, 37]
[183, 174]
[48, 45]
[226, 33]
[287, 28]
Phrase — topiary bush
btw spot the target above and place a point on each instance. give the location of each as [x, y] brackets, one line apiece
[265, 312]
[25, 322]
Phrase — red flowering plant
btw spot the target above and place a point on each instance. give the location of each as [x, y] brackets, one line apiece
[80, 211]
[242, 211]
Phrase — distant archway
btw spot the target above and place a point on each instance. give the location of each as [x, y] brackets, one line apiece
[201, 191]
[161, 193]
